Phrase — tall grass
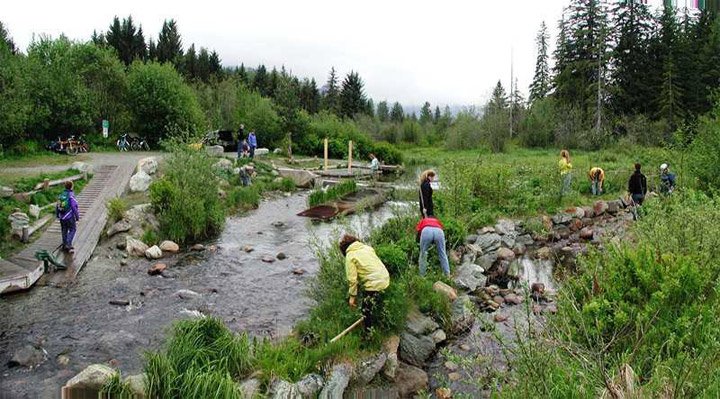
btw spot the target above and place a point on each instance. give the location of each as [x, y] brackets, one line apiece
[318, 197]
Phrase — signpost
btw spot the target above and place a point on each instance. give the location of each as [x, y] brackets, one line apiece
[106, 127]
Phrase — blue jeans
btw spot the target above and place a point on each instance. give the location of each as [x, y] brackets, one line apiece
[596, 189]
[252, 152]
[566, 183]
[428, 236]
[68, 228]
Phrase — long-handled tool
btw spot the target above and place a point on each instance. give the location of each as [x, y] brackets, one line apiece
[48, 259]
[347, 330]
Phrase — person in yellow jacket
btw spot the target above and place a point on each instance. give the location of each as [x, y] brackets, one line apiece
[597, 179]
[363, 267]
[565, 171]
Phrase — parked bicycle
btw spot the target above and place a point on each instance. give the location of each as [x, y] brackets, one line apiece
[123, 143]
[139, 143]
[70, 146]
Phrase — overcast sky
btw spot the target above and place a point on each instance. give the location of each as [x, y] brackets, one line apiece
[445, 52]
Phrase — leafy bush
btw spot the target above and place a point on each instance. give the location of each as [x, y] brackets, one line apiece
[186, 197]
[705, 152]
[244, 198]
[318, 197]
[387, 153]
[116, 209]
[537, 129]
[394, 258]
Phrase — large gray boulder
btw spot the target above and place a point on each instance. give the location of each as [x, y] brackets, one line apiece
[366, 369]
[261, 151]
[505, 227]
[469, 276]
[301, 178]
[419, 324]
[215, 150]
[119, 227]
[82, 167]
[338, 381]
[410, 380]
[281, 389]
[93, 377]
[140, 182]
[250, 388]
[135, 247]
[148, 165]
[153, 252]
[28, 356]
[6, 192]
[416, 350]
[310, 385]
[488, 242]
[223, 164]
[461, 318]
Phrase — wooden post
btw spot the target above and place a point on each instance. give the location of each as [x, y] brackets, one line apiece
[350, 156]
[46, 184]
[326, 153]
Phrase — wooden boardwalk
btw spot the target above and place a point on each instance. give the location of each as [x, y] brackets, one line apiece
[22, 270]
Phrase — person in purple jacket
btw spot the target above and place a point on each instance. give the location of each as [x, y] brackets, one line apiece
[252, 141]
[67, 211]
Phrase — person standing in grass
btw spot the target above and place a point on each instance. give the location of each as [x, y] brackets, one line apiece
[565, 171]
[597, 179]
[240, 140]
[426, 193]
[637, 185]
[430, 231]
[363, 267]
[252, 142]
[67, 211]
[667, 179]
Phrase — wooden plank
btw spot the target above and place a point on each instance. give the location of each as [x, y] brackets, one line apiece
[56, 182]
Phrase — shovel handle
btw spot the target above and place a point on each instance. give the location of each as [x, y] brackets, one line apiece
[347, 330]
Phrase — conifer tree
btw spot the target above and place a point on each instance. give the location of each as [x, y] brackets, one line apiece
[331, 99]
[352, 96]
[499, 99]
[127, 40]
[242, 74]
[260, 80]
[190, 63]
[540, 86]
[169, 44]
[397, 114]
[383, 113]
[437, 115]
[6, 39]
[426, 114]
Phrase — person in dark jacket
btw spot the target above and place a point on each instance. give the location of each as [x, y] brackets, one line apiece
[67, 211]
[426, 191]
[637, 186]
[240, 140]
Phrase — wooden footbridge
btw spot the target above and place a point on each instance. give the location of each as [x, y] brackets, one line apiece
[21, 271]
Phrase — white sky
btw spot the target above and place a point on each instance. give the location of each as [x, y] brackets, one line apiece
[445, 52]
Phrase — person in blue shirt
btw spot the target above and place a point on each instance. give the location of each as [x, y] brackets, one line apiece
[252, 141]
[667, 179]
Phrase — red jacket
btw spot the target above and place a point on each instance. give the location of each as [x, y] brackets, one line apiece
[428, 222]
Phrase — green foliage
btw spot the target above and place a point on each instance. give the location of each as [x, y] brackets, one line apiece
[705, 152]
[318, 197]
[394, 258]
[14, 101]
[465, 132]
[244, 198]
[258, 114]
[159, 100]
[115, 387]
[538, 127]
[150, 237]
[387, 153]
[116, 209]
[186, 197]
[653, 307]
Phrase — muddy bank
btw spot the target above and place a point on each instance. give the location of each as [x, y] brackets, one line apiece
[77, 326]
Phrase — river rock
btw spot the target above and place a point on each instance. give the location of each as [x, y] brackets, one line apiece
[337, 382]
[6, 192]
[281, 389]
[451, 366]
[215, 150]
[499, 318]
[197, 247]
[469, 276]
[589, 212]
[488, 242]
[156, 269]
[248, 249]
[438, 336]
[418, 324]
[93, 377]
[446, 290]
[470, 239]
[600, 207]
[508, 241]
[119, 227]
[223, 164]
[544, 253]
[561, 218]
[410, 380]
[390, 347]
[415, 350]
[505, 227]
[148, 165]
[368, 368]
[486, 262]
[281, 256]
[454, 376]
[153, 252]
[505, 254]
[81, 167]
[136, 383]
[309, 386]
[250, 388]
[563, 231]
[140, 182]
[187, 294]
[268, 259]
[575, 225]
[525, 239]
[261, 151]
[18, 220]
[298, 271]
[519, 249]
[486, 230]
[135, 247]
[613, 207]
[28, 356]
[301, 178]
[586, 233]
[169, 246]
[513, 299]
[461, 318]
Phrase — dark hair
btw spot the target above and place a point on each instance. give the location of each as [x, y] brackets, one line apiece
[637, 166]
[68, 185]
[345, 242]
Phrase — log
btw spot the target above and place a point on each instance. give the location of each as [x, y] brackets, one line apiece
[347, 330]
[45, 184]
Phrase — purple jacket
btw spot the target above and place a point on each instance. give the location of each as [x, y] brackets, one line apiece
[252, 140]
[73, 212]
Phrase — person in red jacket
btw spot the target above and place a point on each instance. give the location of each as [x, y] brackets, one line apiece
[429, 231]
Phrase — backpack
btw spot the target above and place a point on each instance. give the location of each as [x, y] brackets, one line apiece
[64, 202]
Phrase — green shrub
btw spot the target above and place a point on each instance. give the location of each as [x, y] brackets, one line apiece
[705, 152]
[116, 209]
[318, 197]
[115, 387]
[394, 258]
[244, 198]
[186, 198]
[387, 153]
[150, 237]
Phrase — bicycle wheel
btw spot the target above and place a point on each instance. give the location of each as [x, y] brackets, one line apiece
[146, 147]
[71, 149]
[135, 146]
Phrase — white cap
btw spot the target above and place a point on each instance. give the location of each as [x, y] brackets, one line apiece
[663, 166]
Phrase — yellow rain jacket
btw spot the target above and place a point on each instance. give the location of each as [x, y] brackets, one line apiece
[592, 172]
[362, 264]
[565, 166]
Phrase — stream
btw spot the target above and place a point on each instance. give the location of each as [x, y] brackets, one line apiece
[77, 326]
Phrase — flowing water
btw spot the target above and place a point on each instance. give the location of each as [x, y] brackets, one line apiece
[265, 299]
